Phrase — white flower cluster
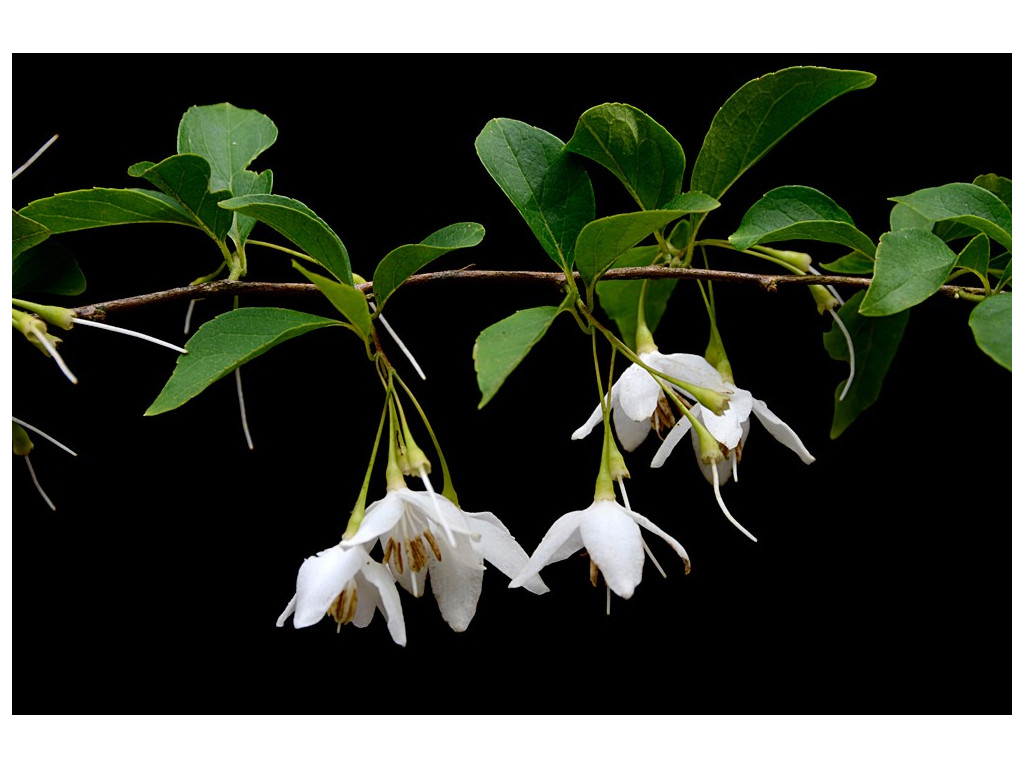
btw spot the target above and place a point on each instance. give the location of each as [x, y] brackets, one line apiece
[423, 536]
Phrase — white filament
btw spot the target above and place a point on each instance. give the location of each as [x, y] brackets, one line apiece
[188, 315]
[437, 507]
[625, 498]
[39, 488]
[34, 157]
[830, 288]
[40, 432]
[54, 354]
[647, 549]
[128, 332]
[718, 495]
[653, 558]
[402, 346]
[241, 407]
[849, 346]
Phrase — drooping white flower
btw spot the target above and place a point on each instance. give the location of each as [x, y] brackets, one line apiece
[731, 429]
[348, 584]
[635, 396]
[610, 533]
[424, 534]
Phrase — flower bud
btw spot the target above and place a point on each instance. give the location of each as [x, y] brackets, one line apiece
[22, 442]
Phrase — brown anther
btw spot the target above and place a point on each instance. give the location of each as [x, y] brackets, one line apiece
[343, 609]
[393, 552]
[594, 572]
[417, 554]
[663, 417]
[433, 544]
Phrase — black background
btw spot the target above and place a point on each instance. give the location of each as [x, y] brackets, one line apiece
[881, 578]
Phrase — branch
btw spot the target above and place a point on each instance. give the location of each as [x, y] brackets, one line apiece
[770, 283]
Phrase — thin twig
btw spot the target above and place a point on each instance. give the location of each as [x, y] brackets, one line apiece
[769, 283]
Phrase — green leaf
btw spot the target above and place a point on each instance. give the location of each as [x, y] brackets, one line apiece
[226, 342]
[1007, 271]
[300, 225]
[691, 202]
[799, 213]
[502, 346]
[620, 299]
[248, 183]
[905, 217]
[1000, 186]
[875, 342]
[26, 233]
[350, 301]
[99, 207]
[910, 266]
[992, 324]
[641, 153]
[548, 186]
[186, 179]
[47, 268]
[851, 264]
[229, 138]
[759, 114]
[975, 256]
[602, 241]
[407, 260]
[967, 204]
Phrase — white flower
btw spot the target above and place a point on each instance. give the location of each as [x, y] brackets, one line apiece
[730, 429]
[611, 535]
[349, 585]
[635, 396]
[423, 531]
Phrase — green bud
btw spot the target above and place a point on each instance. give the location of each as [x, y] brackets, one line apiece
[801, 261]
[823, 298]
[59, 316]
[416, 461]
[616, 464]
[710, 448]
[644, 338]
[22, 442]
[714, 401]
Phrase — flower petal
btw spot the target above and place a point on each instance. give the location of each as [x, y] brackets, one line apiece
[587, 428]
[630, 433]
[612, 539]
[638, 392]
[378, 520]
[288, 611]
[456, 588]
[781, 431]
[562, 539]
[500, 548]
[321, 579]
[672, 439]
[728, 428]
[390, 602]
[645, 523]
[693, 369]
[368, 603]
[430, 505]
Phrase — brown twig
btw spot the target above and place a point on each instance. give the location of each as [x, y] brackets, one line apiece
[770, 283]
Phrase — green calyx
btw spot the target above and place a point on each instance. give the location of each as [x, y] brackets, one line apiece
[22, 442]
[823, 298]
[59, 316]
[35, 330]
